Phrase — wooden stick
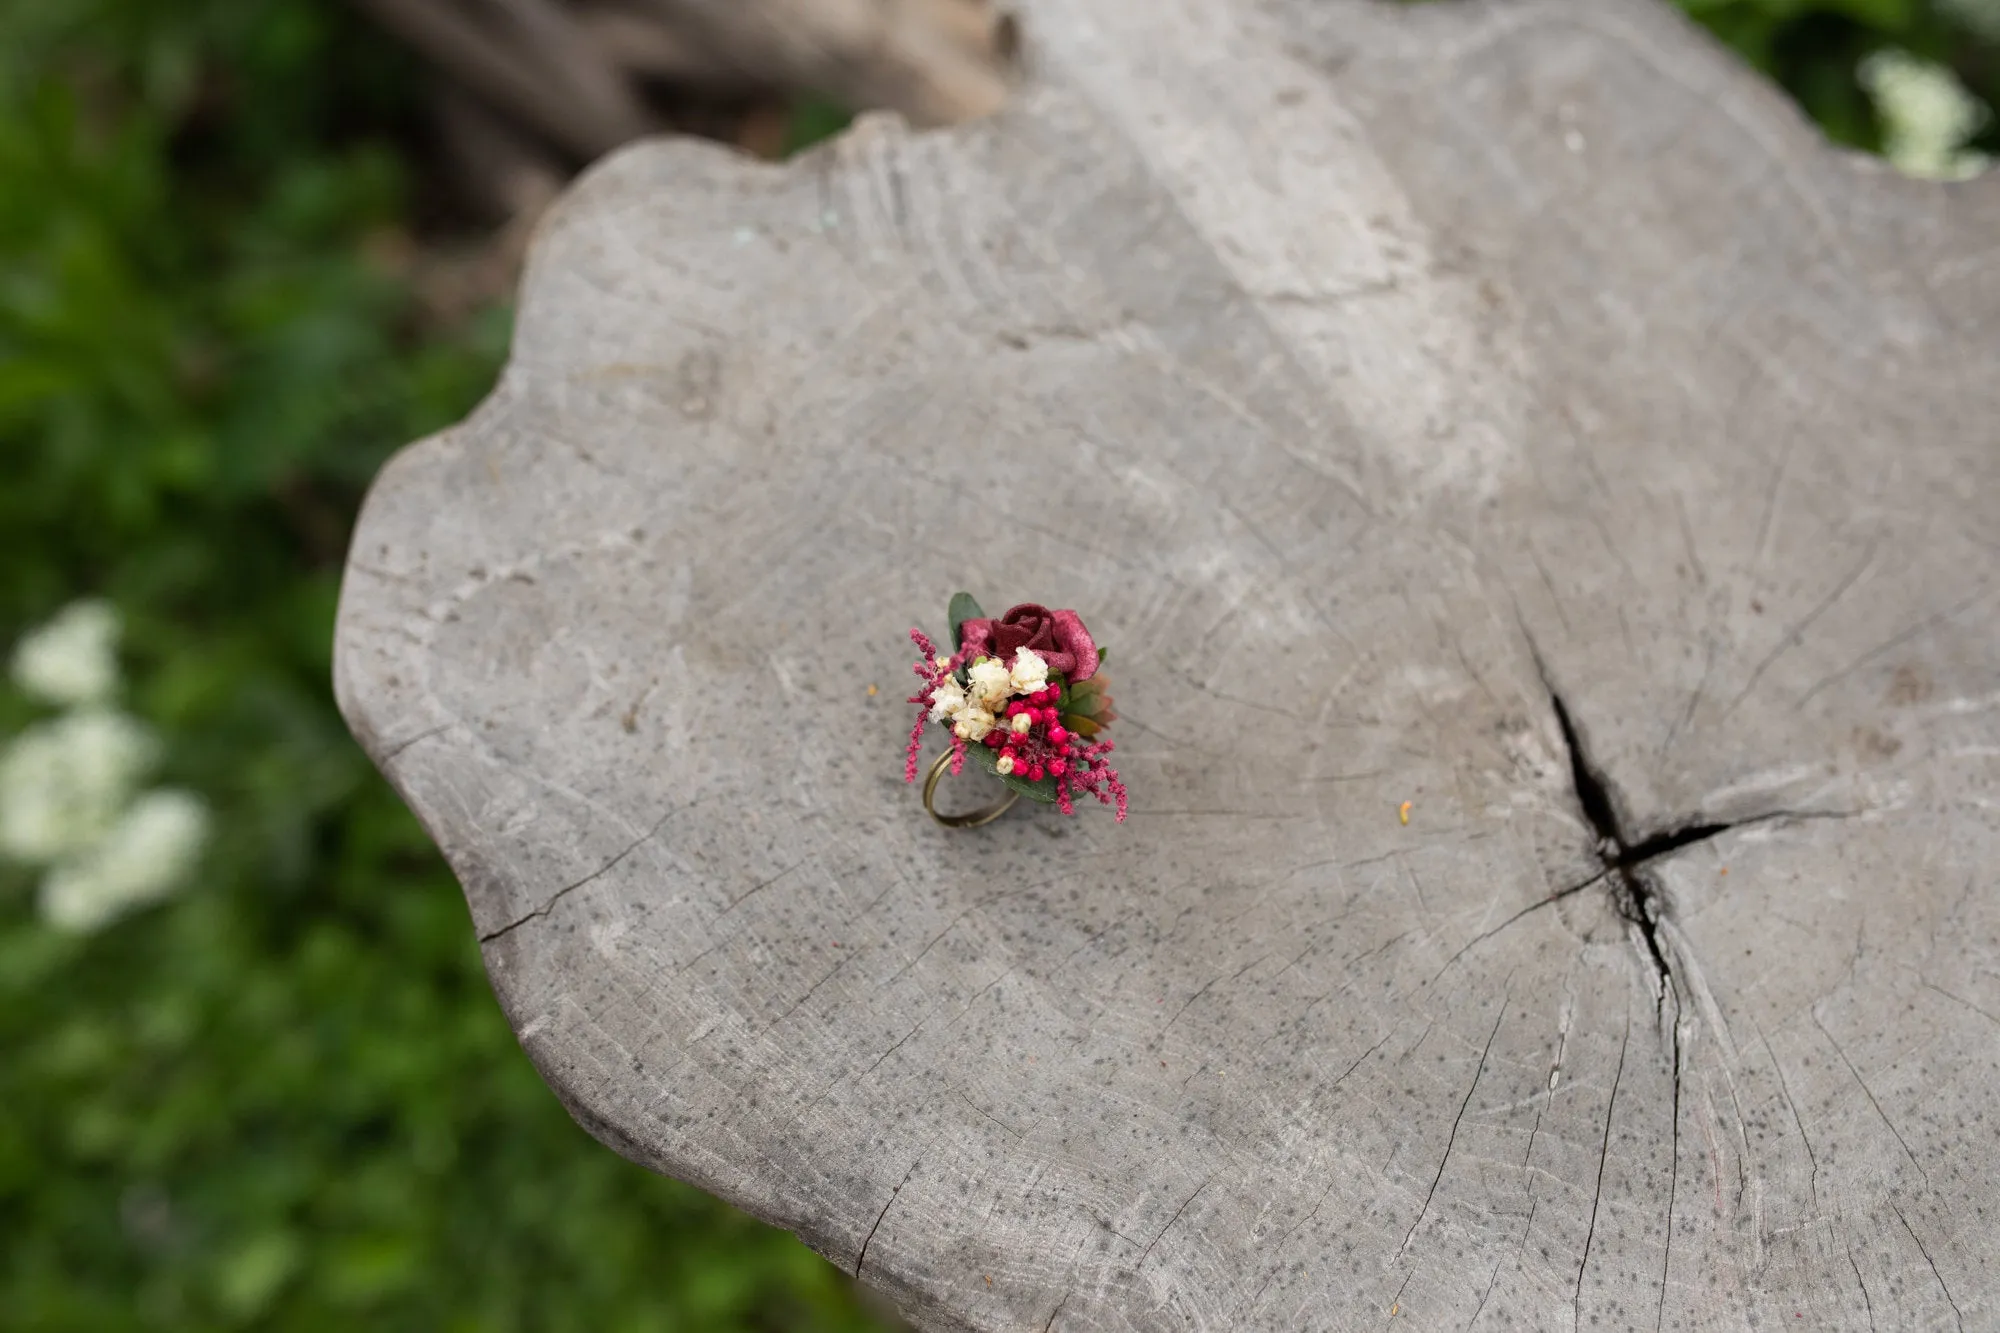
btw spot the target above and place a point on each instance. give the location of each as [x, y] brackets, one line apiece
[511, 175]
[516, 76]
[936, 61]
[646, 44]
[555, 32]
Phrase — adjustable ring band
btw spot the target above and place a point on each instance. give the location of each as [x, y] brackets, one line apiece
[970, 819]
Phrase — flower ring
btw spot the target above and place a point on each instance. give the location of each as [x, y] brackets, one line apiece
[1024, 694]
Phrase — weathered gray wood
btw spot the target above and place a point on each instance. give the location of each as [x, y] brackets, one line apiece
[1370, 378]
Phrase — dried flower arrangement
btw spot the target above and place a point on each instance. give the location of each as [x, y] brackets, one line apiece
[1025, 695]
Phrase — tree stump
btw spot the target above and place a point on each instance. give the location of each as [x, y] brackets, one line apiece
[1514, 409]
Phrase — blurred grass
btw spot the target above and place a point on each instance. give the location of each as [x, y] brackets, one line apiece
[287, 1099]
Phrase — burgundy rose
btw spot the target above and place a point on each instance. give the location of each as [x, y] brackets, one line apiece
[1057, 637]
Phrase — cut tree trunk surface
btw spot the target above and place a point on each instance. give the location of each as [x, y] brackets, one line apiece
[1511, 409]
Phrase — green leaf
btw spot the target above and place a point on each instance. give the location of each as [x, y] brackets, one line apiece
[962, 609]
[814, 120]
[1888, 15]
[989, 759]
[250, 1277]
[1087, 700]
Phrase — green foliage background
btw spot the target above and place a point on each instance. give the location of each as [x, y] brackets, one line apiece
[287, 1099]
[1813, 47]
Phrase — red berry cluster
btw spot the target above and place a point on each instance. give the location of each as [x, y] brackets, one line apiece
[1042, 750]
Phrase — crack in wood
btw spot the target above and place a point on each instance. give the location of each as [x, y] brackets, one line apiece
[1635, 893]
[573, 886]
[1603, 1156]
[1452, 1138]
[1867, 1301]
[1625, 858]
[1869, 1093]
[1147, 1252]
[1639, 898]
[862, 1257]
[1673, 1185]
[395, 752]
[1481, 938]
[1791, 1104]
[1924, 1250]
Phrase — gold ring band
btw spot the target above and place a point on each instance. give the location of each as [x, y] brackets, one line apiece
[972, 818]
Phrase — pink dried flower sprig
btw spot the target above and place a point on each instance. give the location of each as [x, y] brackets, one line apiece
[1024, 694]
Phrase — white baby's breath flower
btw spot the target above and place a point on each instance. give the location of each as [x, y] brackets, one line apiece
[72, 660]
[947, 699]
[63, 782]
[1927, 115]
[1030, 672]
[991, 682]
[67, 785]
[140, 860]
[973, 722]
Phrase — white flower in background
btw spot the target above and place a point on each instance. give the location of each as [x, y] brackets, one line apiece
[150, 849]
[1927, 114]
[69, 786]
[72, 660]
[991, 681]
[1030, 671]
[947, 699]
[63, 782]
